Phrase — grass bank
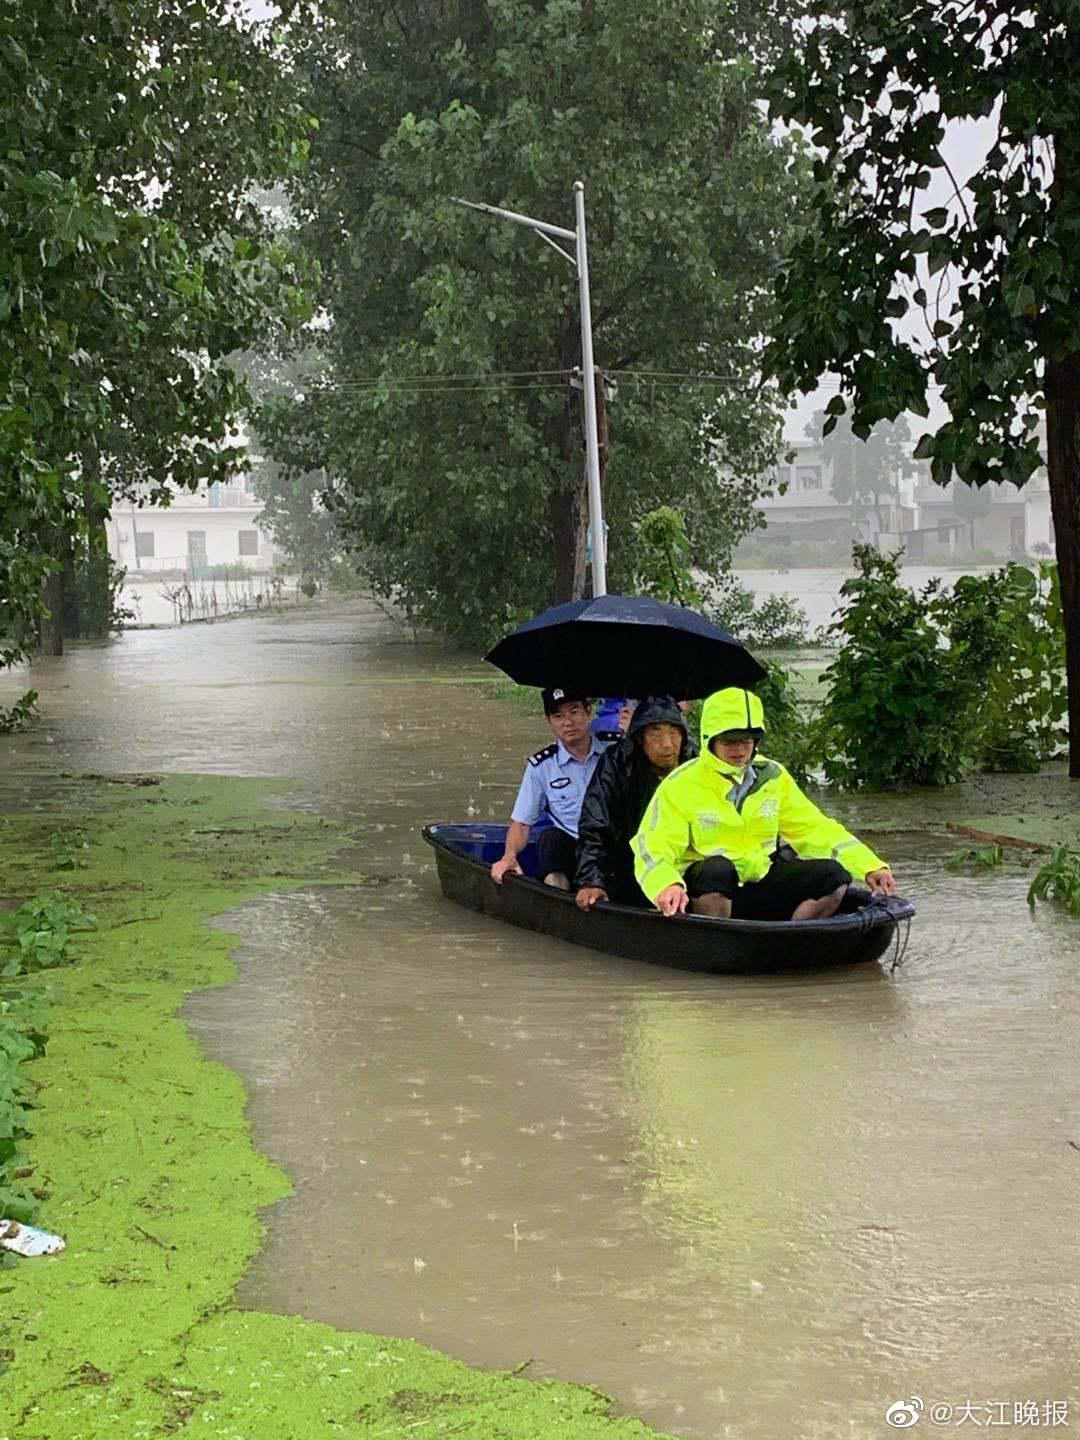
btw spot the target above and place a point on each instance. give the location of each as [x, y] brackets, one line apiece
[142, 1158]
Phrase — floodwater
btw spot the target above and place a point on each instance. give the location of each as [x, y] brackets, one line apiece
[817, 588]
[755, 1207]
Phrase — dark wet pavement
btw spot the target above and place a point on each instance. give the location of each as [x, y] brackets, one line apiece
[746, 1207]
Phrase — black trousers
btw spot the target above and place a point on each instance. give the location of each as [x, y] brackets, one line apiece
[626, 891]
[555, 850]
[776, 896]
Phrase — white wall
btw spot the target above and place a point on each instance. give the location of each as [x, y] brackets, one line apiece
[172, 528]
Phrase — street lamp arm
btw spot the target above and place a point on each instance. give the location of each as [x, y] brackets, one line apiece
[580, 260]
[540, 225]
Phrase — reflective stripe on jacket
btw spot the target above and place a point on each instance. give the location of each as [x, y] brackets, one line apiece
[691, 818]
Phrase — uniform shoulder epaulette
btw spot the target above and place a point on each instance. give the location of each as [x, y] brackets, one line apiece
[609, 735]
[545, 753]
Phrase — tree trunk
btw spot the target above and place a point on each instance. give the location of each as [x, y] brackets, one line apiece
[50, 627]
[70, 606]
[568, 504]
[569, 512]
[1063, 469]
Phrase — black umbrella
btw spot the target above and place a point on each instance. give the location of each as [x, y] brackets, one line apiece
[625, 645]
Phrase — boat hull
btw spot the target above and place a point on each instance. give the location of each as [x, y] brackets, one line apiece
[464, 853]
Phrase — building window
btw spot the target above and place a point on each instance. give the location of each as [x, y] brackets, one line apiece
[249, 542]
[809, 477]
[783, 475]
[943, 533]
[144, 543]
[213, 494]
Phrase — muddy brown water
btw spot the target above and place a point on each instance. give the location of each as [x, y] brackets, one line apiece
[743, 1207]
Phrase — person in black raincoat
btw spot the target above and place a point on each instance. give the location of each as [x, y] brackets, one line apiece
[655, 743]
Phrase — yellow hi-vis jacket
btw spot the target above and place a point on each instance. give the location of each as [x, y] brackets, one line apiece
[691, 817]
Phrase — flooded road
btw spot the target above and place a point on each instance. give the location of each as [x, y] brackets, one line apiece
[744, 1207]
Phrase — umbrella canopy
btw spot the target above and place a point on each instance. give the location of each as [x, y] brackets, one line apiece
[625, 645]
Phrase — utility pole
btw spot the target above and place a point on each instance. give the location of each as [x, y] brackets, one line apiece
[590, 380]
[601, 428]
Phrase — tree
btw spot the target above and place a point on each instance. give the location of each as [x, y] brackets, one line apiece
[972, 503]
[134, 261]
[864, 472]
[294, 515]
[294, 512]
[993, 264]
[464, 490]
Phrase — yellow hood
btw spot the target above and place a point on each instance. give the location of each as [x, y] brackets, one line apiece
[730, 709]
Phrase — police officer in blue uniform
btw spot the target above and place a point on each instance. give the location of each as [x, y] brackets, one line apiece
[555, 780]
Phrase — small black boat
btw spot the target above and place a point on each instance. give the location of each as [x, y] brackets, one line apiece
[863, 929]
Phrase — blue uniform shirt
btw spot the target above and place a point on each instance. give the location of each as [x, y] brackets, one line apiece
[554, 781]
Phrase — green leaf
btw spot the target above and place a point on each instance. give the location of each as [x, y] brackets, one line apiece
[1021, 300]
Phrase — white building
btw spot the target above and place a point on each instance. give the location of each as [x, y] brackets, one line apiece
[807, 510]
[215, 525]
[924, 519]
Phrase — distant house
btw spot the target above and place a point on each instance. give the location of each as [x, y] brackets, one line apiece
[215, 525]
[1017, 522]
[807, 508]
[926, 520]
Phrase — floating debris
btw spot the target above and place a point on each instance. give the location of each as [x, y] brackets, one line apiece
[25, 1240]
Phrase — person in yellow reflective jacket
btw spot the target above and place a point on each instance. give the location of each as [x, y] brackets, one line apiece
[710, 836]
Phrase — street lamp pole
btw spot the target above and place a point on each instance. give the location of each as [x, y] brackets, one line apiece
[580, 260]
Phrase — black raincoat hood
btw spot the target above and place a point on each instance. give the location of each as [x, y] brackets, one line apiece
[657, 710]
[621, 787]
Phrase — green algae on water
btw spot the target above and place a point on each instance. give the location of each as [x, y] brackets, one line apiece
[142, 1157]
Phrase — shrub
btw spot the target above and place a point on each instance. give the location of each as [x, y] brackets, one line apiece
[929, 683]
[343, 578]
[776, 623]
[18, 717]
[1009, 626]
[33, 937]
[901, 705]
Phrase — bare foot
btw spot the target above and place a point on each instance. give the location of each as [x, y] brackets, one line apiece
[557, 880]
[821, 909]
[717, 907]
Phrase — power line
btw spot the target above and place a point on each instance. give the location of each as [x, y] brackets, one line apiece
[414, 385]
[381, 380]
[414, 392]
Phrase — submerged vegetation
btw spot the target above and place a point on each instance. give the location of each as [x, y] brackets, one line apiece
[1058, 880]
[33, 937]
[985, 857]
[18, 716]
[37, 934]
[22, 1038]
